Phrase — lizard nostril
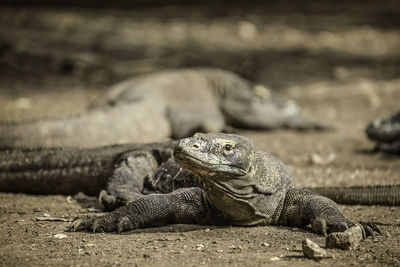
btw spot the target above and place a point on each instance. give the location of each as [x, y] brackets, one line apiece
[196, 146]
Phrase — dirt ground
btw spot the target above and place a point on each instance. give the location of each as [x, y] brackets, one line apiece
[340, 61]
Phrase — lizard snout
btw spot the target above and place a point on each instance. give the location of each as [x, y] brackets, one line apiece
[183, 146]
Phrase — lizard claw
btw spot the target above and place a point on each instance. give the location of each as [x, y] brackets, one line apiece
[91, 223]
[102, 224]
[124, 224]
[329, 224]
[369, 229]
[97, 227]
[83, 224]
[319, 226]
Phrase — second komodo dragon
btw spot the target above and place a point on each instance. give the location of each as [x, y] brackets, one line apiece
[386, 133]
[153, 107]
[210, 179]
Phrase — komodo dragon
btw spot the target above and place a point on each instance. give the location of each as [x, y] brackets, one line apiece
[386, 133]
[153, 107]
[212, 178]
[239, 185]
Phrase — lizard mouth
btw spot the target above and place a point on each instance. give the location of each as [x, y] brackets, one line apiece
[195, 164]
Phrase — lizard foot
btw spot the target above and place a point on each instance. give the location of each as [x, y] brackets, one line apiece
[369, 229]
[351, 238]
[81, 224]
[328, 224]
[106, 223]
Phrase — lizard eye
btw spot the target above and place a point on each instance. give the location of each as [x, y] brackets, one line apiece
[228, 147]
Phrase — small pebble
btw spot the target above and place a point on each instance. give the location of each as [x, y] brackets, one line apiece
[349, 239]
[200, 247]
[312, 250]
[60, 236]
[317, 159]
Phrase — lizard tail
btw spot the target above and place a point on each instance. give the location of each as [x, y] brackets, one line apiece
[51, 171]
[387, 195]
[65, 170]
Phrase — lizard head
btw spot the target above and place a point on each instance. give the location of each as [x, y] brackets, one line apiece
[214, 155]
[237, 177]
[257, 108]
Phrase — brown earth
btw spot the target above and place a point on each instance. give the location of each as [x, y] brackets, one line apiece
[339, 61]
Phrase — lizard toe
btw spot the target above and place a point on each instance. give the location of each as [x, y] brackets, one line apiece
[369, 229]
[83, 224]
[329, 224]
[103, 224]
[124, 224]
[319, 226]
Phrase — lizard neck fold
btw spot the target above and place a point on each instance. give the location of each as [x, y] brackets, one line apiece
[234, 201]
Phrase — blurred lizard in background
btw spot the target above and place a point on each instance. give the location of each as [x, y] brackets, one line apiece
[154, 107]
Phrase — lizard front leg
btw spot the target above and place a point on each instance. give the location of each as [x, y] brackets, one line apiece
[188, 205]
[302, 207]
[126, 182]
[169, 177]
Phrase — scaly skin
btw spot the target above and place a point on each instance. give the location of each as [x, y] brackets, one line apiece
[240, 185]
[123, 173]
[153, 107]
[388, 195]
[116, 172]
